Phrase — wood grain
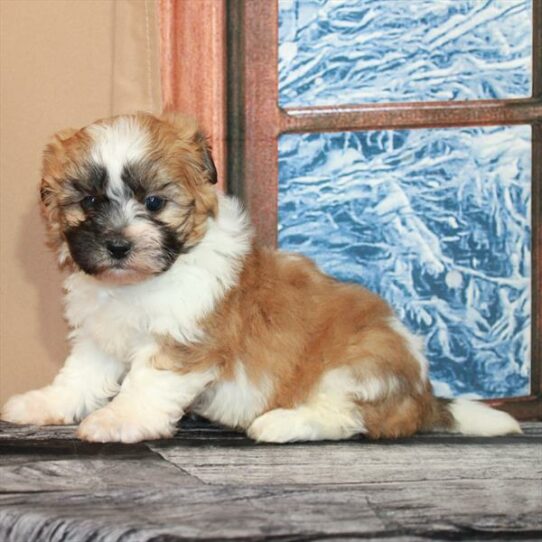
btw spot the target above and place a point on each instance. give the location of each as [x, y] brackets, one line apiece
[410, 115]
[212, 484]
[254, 114]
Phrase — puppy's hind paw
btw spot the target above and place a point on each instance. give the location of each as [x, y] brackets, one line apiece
[281, 425]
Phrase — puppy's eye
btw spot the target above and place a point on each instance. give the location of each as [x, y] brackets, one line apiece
[154, 203]
[89, 202]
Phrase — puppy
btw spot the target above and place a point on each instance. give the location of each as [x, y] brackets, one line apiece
[173, 307]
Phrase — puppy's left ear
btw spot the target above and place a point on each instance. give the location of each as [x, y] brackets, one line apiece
[207, 158]
[187, 131]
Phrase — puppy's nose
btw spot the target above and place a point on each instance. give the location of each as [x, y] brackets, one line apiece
[118, 248]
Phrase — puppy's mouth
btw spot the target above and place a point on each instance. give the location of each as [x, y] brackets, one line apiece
[122, 274]
[123, 270]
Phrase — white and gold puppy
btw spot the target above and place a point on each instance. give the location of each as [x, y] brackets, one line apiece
[173, 307]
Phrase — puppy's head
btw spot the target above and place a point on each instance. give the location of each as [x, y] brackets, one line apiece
[125, 197]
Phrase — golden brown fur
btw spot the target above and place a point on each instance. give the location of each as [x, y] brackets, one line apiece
[293, 324]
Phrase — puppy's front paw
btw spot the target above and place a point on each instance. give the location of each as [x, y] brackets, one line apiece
[113, 424]
[36, 407]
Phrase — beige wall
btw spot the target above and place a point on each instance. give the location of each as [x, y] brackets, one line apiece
[63, 63]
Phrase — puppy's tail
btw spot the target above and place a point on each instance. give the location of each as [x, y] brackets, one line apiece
[470, 418]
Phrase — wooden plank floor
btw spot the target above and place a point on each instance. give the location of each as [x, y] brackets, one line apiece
[211, 484]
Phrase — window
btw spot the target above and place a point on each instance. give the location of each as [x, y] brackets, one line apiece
[400, 147]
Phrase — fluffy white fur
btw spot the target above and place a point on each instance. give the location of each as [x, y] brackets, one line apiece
[473, 418]
[87, 381]
[234, 402]
[115, 145]
[149, 404]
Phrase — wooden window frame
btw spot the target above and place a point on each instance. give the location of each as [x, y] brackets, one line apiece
[193, 67]
[255, 122]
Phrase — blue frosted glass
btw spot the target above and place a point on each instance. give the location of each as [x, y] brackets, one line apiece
[357, 51]
[438, 223]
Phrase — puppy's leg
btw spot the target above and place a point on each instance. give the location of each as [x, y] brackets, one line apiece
[150, 403]
[330, 413]
[87, 381]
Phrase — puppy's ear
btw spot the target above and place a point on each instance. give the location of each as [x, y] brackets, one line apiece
[54, 160]
[188, 131]
[207, 157]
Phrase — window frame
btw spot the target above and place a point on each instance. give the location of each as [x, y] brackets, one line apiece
[256, 121]
[193, 67]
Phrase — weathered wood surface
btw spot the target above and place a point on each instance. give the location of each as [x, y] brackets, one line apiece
[211, 484]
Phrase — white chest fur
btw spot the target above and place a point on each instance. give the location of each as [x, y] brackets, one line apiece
[116, 323]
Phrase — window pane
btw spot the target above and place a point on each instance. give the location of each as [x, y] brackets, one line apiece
[350, 51]
[436, 221]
